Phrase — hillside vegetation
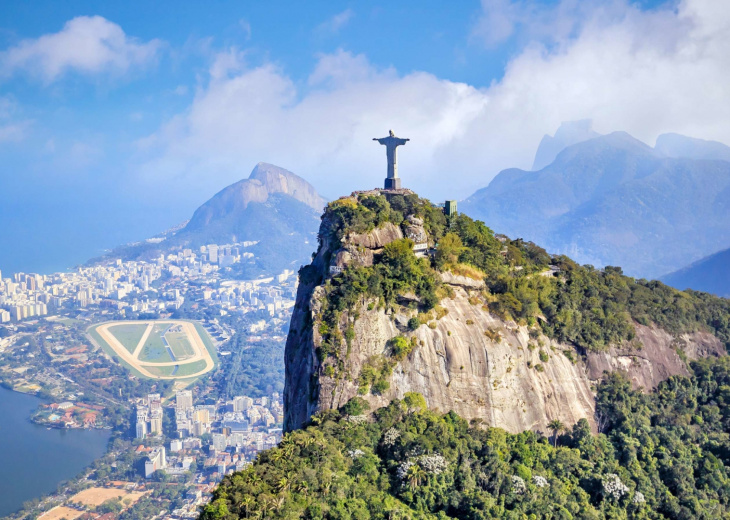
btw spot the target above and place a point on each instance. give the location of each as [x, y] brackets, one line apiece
[587, 307]
[659, 455]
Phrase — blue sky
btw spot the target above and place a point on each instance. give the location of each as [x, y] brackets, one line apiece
[117, 119]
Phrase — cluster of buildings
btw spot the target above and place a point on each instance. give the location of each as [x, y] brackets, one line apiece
[272, 294]
[192, 420]
[226, 254]
[121, 285]
[67, 414]
[23, 296]
[234, 432]
[149, 417]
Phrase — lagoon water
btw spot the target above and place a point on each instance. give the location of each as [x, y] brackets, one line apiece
[35, 460]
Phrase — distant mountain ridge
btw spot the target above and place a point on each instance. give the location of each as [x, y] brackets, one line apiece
[668, 145]
[273, 207]
[613, 200]
[675, 145]
[711, 274]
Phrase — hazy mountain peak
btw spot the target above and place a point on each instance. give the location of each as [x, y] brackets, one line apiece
[676, 145]
[265, 180]
[618, 140]
[569, 133]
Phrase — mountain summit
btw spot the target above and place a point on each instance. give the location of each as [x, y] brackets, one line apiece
[418, 337]
[676, 145]
[265, 181]
[569, 133]
[710, 274]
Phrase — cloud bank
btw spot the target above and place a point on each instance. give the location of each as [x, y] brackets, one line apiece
[86, 44]
[645, 72]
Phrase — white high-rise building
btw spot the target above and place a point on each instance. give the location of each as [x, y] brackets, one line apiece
[156, 422]
[213, 254]
[141, 427]
[183, 401]
[242, 403]
[220, 442]
[156, 461]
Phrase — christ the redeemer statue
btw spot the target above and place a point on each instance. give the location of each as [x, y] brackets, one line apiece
[392, 182]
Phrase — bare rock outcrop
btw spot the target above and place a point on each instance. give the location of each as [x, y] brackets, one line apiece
[656, 359]
[456, 366]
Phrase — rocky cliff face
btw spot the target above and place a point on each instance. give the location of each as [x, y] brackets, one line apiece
[464, 359]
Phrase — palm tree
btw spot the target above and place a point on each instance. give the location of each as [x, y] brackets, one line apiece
[253, 479]
[276, 455]
[302, 487]
[288, 449]
[556, 426]
[415, 475]
[246, 503]
[282, 484]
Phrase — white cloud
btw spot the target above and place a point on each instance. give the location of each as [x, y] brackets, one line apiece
[334, 24]
[245, 27]
[642, 72]
[526, 21]
[14, 132]
[13, 128]
[86, 44]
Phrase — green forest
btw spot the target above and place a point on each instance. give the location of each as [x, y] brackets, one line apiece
[660, 455]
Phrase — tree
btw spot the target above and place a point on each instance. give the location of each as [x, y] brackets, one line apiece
[556, 427]
[356, 406]
[448, 250]
[415, 475]
[414, 401]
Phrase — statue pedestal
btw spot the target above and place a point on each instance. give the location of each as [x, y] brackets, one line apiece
[392, 183]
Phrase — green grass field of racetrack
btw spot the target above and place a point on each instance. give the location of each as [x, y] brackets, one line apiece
[139, 346]
[180, 345]
[129, 335]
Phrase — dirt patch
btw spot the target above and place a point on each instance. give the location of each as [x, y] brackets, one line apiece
[96, 496]
[61, 512]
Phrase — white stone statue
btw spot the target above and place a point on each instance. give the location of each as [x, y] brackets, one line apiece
[392, 182]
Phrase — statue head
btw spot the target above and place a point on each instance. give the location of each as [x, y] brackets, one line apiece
[391, 133]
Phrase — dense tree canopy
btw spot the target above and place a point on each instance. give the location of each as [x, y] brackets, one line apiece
[659, 455]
